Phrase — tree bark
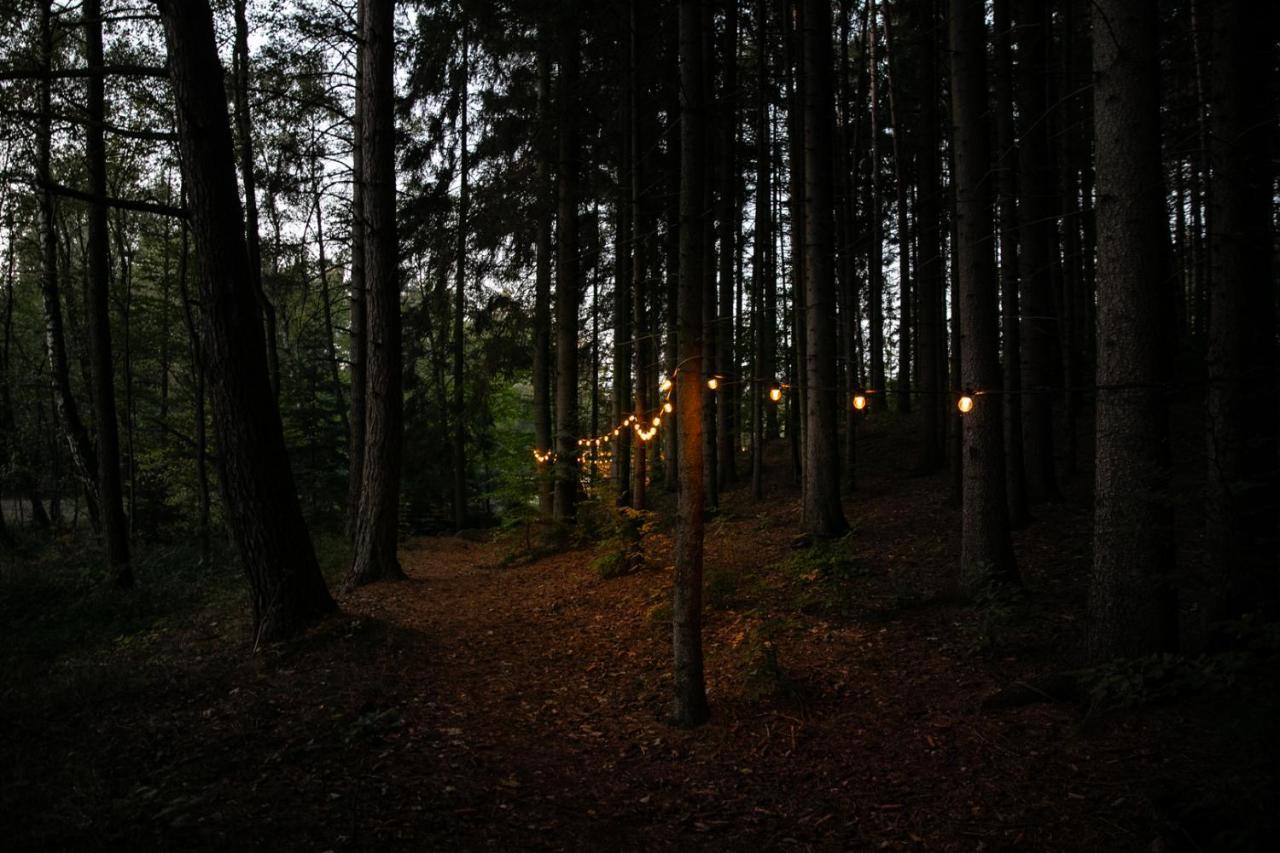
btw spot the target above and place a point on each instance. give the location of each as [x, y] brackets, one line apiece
[711, 402]
[460, 300]
[542, 284]
[761, 337]
[262, 507]
[931, 338]
[110, 488]
[377, 525]
[727, 216]
[1131, 606]
[986, 554]
[1037, 259]
[1241, 356]
[244, 129]
[875, 260]
[567, 285]
[823, 513]
[626, 305]
[689, 707]
[1006, 184]
[83, 455]
[901, 174]
[640, 241]
[359, 296]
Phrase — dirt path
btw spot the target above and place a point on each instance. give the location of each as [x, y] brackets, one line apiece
[477, 707]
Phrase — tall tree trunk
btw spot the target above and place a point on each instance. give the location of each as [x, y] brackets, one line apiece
[1131, 607]
[542, 211]
[377, 525]
[626, 336]
[823, 514]
[359, 295]
[986, 553]
[567, 286]
[797, 403]
[689, 707]
[640, 240]
[931, 338]
[671, 447]
[262, 509]
[901, 174]
[875, 260]
[326, 306]
[460, 301]
[244, 129]
[7, 428]
[110, 489]
[1037, 259]
[710, 333]
[201, 448]
[760, 333]
[727, 216]
[1006, 189]
[83, 455]
[1241, 356]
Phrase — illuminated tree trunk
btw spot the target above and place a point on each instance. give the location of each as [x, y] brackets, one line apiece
[690, 700]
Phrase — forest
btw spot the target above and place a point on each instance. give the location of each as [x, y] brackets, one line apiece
[681, 424]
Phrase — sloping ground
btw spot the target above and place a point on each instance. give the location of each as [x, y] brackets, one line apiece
[481, 707]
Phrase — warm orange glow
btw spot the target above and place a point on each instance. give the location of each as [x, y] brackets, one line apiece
[775, 394]
[665, 386]
[859, 402]
[713, 383]
[965, 404]
[657, 421]
[667, 407]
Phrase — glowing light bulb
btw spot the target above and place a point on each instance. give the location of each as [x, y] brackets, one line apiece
[667, 407]
[965, 404]
[657, 421]
[665, 386]
[713, 383]
[859, 402]
[775, 393]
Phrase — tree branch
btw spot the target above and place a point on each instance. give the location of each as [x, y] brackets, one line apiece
[118, 203]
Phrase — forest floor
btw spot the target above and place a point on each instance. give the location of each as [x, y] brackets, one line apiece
[492, 703]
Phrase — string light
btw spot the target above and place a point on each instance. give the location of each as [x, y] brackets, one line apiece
[859, 401]
[657, 421]
[665, 386]
[965, 403]
[713, 383]
[775, 393]
[668, 408]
